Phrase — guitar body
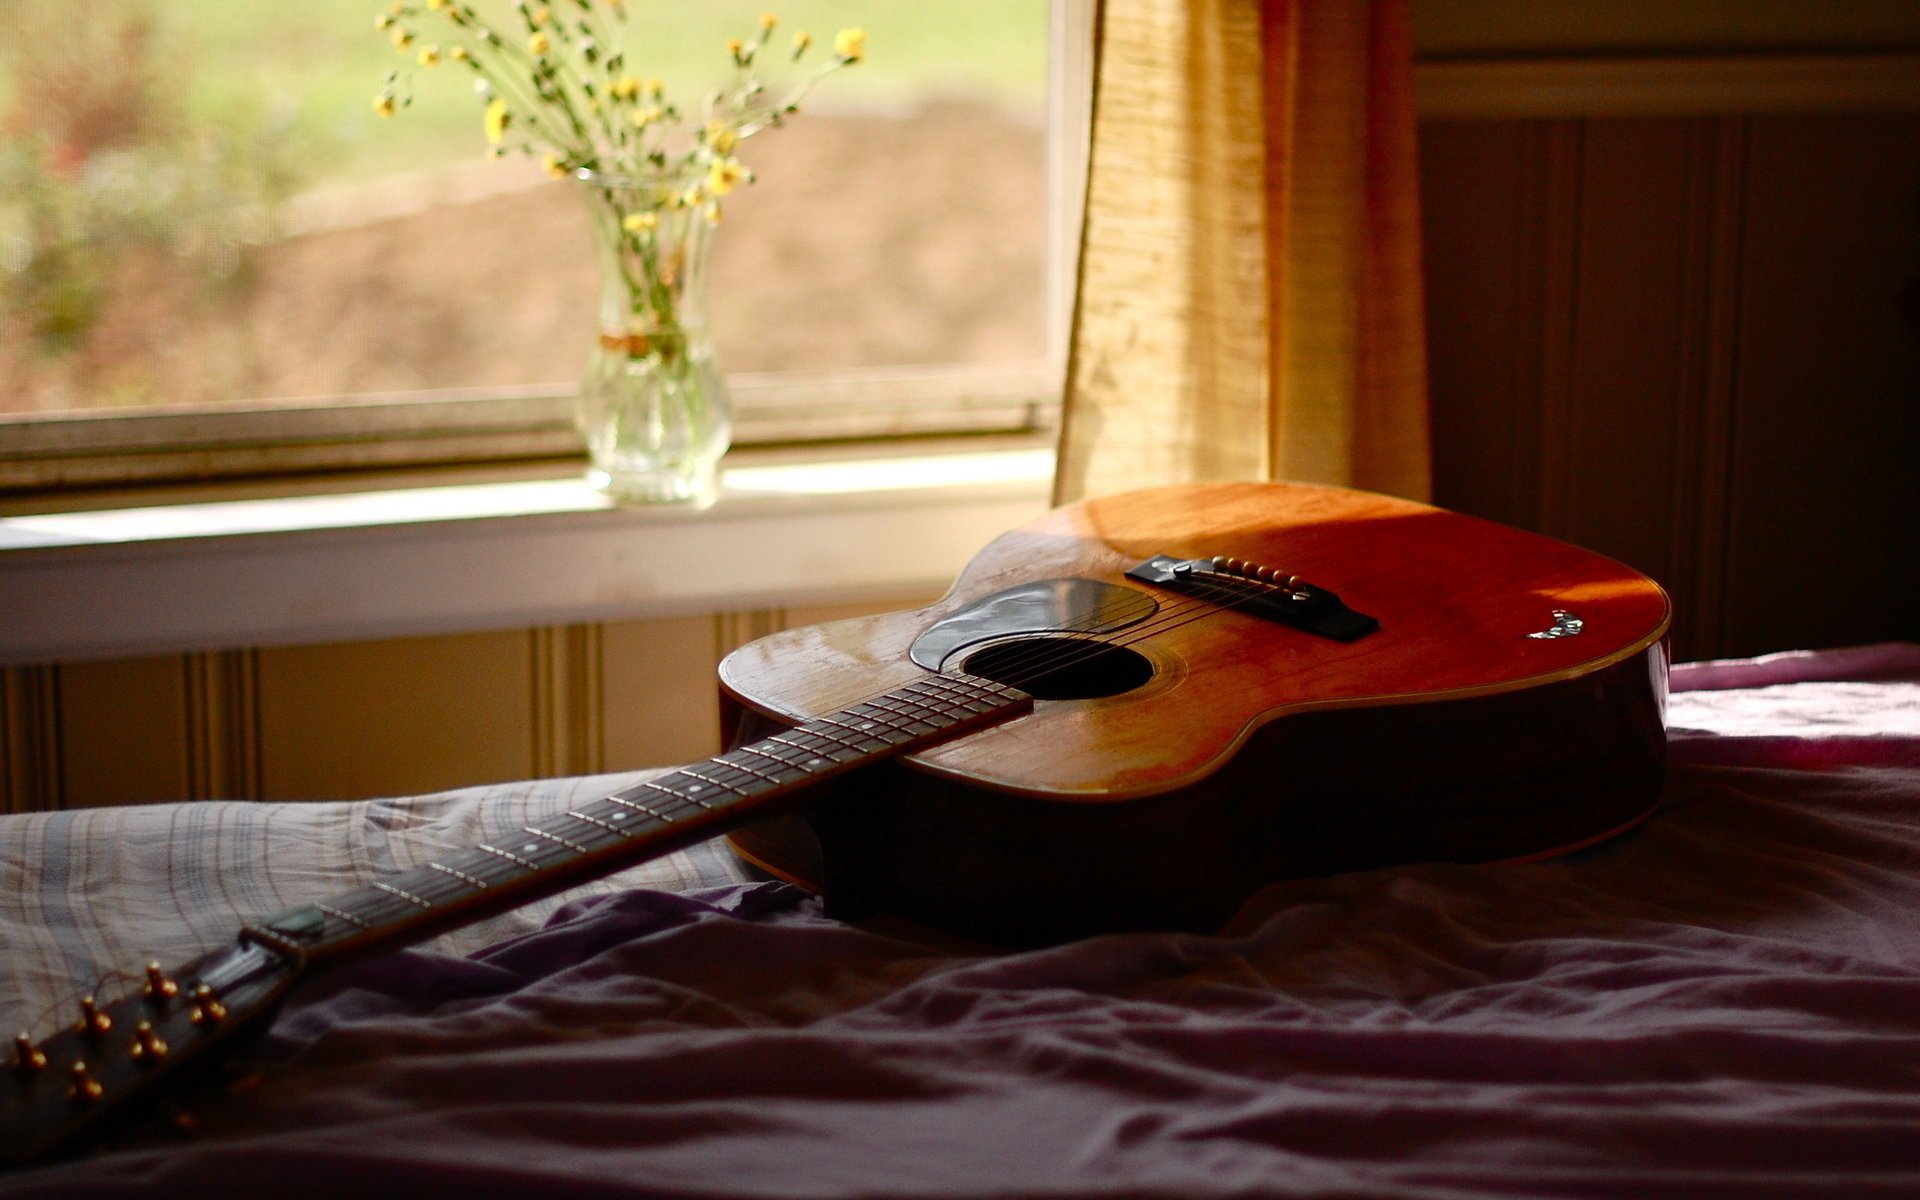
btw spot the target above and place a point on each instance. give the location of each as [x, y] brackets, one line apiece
[1214, 751]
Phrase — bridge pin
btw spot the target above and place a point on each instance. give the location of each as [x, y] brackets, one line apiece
[86, 1089]
[147, 1045]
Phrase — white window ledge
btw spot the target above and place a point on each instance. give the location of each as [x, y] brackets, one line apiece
[157, 577]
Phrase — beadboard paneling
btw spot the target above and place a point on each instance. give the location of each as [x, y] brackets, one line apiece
[395, 717]
[1690, 343]
[124, 733]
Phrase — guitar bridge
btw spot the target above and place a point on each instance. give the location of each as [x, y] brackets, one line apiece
[1258, 591]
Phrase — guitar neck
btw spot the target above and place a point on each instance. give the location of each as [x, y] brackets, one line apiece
[635, 824]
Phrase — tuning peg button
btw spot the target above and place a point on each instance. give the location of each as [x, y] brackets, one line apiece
[85, 1089]
[158, 986]
[206, 1008]
[147, 1045]
[92, 1021]
[27, 1057]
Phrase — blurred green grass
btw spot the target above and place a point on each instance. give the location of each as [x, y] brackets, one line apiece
[323, 62]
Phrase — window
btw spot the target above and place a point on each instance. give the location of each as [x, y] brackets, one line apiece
[217, 260]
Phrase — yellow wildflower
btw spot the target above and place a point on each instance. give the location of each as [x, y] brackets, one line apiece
[724, 175]
[498, 118]
[459, 54]
[541, 15]
[722, 137]
[625, 88]
[655, 88]
[401, 38]
[638, 222]
[429, 56]
[554, 166]
[383, 105]
[850, 44]
[767, 22]
[436, 5]
[382, 22]
[643, 117]
[735, 46]
[801, 41]
[539, 44]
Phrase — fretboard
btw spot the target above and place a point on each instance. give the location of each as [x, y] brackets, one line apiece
[628, 827]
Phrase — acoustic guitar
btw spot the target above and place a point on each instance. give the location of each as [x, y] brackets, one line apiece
[1132, 713]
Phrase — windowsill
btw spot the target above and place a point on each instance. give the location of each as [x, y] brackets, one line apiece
[167, 572]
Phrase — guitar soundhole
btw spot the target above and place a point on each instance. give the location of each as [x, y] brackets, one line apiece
[1061, 668]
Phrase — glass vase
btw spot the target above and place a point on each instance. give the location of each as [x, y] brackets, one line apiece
[652, 408]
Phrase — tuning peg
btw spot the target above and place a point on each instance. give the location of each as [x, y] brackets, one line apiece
[147, 1046]
[86, 1089]
[158, 986]
[92, 1021]
[27, 1057]
[207, 1009]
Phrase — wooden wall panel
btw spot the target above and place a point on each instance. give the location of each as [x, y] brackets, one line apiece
[1689, 343]
[1825, 513]
[124, 732]
[657, 694]
[395, 717]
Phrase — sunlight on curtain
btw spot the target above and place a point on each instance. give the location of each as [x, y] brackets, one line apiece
[1250, 300]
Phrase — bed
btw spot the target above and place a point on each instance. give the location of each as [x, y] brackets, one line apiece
[1725, 1002]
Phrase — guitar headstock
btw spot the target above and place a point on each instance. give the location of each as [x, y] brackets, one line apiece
[110, 1056]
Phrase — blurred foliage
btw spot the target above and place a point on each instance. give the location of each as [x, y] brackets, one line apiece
[102, 163]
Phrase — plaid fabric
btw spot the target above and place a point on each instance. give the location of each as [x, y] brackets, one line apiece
[88, 897]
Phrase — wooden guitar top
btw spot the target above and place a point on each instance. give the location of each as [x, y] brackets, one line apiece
[1456, 598]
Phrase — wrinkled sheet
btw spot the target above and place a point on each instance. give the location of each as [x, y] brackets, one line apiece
[1723, 1003]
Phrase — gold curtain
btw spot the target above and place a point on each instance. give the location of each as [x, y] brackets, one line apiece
[1249, 300]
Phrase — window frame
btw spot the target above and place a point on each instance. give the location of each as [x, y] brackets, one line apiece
[482, 426]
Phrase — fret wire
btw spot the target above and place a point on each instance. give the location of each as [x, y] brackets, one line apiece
[424, 884]
[956, 707]
[676, 795]
[462, 876]
[825, 755]
[654, 813]
[911, 720]
[757, 753]
[775, 780]
[812, 729]
[751, 785]
[340, 915]
[555, 838]
[707, 781]
[509, 855]
[485, 866]
[872, 712]
[947, 686]
[609, 826]
[935, 706]
[862, 730]
[545, 851]
[382, 906]
[403, 894]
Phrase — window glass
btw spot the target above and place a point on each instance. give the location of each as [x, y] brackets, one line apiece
[198, 205]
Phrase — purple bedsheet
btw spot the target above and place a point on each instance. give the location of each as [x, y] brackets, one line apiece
[1724, 1003]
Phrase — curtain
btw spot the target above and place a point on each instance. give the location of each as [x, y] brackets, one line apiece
[1249, 301]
